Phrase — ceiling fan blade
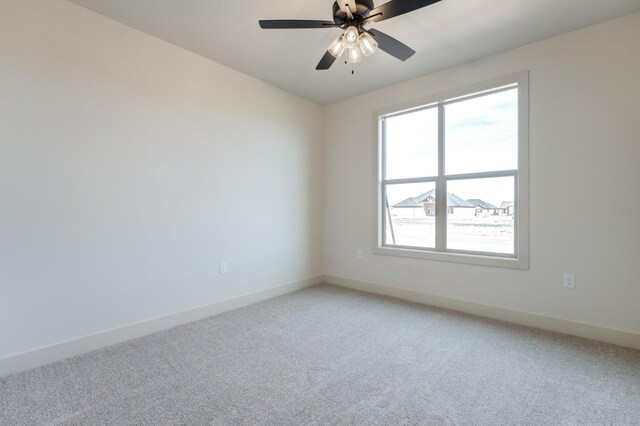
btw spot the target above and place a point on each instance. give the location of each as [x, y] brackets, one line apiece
[397, 7]
[285, 24]
[327, 60]
[392, 46]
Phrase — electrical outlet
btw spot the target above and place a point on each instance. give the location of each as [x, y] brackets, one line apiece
[359, 255]
[569, 281]
[224, 267]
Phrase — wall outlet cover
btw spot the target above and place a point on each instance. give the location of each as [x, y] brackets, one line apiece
[569, 281]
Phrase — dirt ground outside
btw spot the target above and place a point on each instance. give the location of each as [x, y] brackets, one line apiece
[493, 234]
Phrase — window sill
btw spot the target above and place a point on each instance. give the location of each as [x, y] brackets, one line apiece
[469, 259]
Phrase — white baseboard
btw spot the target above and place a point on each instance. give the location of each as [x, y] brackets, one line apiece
[625, 338]
[36, 358]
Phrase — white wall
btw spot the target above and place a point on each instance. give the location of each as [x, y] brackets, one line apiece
[129, 167]
[584, 148]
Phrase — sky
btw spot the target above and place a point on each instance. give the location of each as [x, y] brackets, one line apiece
[481, 134]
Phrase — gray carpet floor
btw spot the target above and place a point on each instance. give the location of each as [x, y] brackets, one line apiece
[327, 355]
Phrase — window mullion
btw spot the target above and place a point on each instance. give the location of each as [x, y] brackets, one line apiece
[441, 187]
[410, 180]
[483, 175]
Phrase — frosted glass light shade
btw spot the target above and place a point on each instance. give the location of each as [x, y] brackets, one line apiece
[351, 37]
[368, 44]
[354, 54]
[337, 46]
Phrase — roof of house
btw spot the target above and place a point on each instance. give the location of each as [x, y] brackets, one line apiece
[479, 203]
[506, 204]
[452, 200]
[409, 202]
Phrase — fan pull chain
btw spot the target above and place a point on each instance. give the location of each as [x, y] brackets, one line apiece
[353, 72]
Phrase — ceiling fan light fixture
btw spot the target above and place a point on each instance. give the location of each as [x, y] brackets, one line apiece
[354, 54]
[337, 46]
[367, 43]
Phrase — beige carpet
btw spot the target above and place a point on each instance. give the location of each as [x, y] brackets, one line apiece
[326, 355]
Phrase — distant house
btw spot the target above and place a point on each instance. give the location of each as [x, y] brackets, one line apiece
[425, 205]
[484, 209]
[419, 206]
[507, 208]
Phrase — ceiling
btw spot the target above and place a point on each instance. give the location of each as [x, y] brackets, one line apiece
[445, 34]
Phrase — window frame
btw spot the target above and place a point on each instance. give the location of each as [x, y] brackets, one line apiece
[520, 258]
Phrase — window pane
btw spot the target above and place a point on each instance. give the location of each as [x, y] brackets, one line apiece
[412, 144]
[480, 215]
[412, 208]
[481, 134]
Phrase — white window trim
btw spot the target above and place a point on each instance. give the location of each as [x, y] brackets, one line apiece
[521, 258]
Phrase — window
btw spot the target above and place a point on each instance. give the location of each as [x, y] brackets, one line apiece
[453, 176]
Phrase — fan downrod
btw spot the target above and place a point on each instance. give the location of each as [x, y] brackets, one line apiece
[363, 7]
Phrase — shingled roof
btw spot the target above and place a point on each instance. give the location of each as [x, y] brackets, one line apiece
[408, 203]
[413, 202]
[479, 203]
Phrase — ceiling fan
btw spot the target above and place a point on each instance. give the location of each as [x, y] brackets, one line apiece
[357, 41]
